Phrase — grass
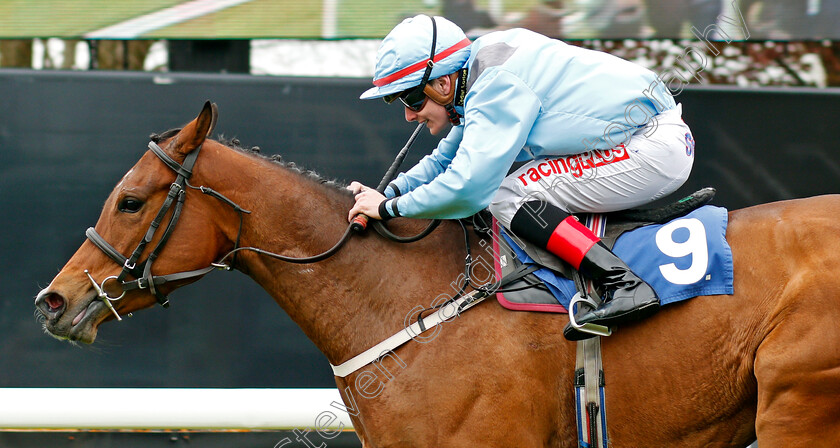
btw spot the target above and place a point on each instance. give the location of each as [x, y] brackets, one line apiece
[69, 18]
[258, 18]
[255, 19]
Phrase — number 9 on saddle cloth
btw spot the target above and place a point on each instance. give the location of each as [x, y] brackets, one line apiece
[680, 250]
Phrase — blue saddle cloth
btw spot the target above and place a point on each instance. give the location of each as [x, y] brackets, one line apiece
[684, 258]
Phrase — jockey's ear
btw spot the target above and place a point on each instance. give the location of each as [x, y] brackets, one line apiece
[443, 84]
[194, 133]
[441, 90]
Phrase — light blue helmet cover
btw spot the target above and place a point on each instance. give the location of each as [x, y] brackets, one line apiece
[409, 45]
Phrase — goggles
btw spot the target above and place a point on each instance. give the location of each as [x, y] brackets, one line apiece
[414, 98]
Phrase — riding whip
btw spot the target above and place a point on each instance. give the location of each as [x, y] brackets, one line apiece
[360, 221]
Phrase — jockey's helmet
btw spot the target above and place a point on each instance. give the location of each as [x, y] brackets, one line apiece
[402, 61]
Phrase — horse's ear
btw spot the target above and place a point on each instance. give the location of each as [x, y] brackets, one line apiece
[194, 133]
[213, 118]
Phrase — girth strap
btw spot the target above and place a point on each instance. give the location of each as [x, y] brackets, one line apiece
[589, 395]
[589, 372]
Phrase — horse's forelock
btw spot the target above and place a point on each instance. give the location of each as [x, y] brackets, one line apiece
[157, 138]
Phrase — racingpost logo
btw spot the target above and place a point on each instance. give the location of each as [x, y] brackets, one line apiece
[574, 164]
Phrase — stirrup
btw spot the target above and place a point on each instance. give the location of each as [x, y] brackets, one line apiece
[597, 330]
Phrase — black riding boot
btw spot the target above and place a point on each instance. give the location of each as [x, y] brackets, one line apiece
[627, 298]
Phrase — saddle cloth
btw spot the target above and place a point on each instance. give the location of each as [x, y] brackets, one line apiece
[683, 258]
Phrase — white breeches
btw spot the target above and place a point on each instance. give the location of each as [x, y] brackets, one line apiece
[653, 163]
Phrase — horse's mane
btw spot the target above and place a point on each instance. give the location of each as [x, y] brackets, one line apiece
[254, 151]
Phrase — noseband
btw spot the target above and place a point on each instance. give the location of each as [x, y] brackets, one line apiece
[142, 271]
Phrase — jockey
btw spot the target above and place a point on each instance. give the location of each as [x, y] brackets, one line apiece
[597, 134]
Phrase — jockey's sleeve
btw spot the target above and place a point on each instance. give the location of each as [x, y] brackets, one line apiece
[500, 111]
[429, 167]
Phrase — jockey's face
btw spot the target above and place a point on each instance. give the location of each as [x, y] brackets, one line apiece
[432, 113]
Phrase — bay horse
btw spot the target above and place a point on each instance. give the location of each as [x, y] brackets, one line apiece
[714, 371]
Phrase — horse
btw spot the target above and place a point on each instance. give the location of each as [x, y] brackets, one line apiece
[714, 371]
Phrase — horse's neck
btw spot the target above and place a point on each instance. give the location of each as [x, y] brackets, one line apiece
[344, 304]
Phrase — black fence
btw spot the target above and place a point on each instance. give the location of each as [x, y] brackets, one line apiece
[174, 439]
[67, 138]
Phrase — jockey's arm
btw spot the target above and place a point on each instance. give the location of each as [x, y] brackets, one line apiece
[500, 112]
[368, 200]
[429, 166]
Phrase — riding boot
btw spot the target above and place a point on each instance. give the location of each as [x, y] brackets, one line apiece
[627, 297]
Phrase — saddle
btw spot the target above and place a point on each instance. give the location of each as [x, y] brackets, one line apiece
[520, 289]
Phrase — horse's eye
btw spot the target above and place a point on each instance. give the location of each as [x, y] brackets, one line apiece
[130, 205]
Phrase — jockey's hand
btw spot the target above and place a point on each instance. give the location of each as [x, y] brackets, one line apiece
[367, 201]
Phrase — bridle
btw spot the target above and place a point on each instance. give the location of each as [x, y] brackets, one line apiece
[142, 271]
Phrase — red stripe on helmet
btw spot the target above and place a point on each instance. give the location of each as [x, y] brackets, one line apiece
[420, 65]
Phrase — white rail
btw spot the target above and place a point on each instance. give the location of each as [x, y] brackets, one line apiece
[106, 408]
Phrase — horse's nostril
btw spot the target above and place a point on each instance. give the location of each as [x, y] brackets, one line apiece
[51, 303]
[54, 301]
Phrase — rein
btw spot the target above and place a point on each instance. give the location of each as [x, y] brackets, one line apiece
[144, 279]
